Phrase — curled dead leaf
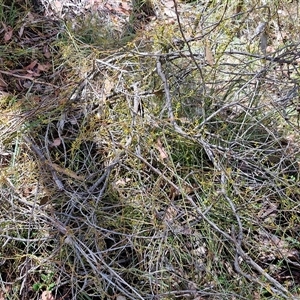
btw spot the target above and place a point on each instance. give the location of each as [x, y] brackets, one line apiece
[162, 152]
[8, 34]
[46, 295]
[56, 143]
[209, 55]
[31, 66]
[44, 67]
[46, 51]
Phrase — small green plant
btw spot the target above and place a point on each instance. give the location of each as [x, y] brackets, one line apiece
[8, 13]
[46, 283]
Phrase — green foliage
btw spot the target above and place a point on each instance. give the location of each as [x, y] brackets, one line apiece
[46, 283]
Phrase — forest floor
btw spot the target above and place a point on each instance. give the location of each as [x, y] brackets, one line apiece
[149, 150]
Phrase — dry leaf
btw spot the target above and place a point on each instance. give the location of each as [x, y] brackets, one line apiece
[44, 67]
[209, 55]
[108, 85]
[26, 191]
[8, 34]
[162, 152]
[46, 51]
[200, 251]
[46, 295]
[169, 4]
[30, 17]
[21, 31]
[170, 13]
[56, 142]
[44, 200]
[122, 182]
[31, 65]
[256, 296]
[57, 6]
